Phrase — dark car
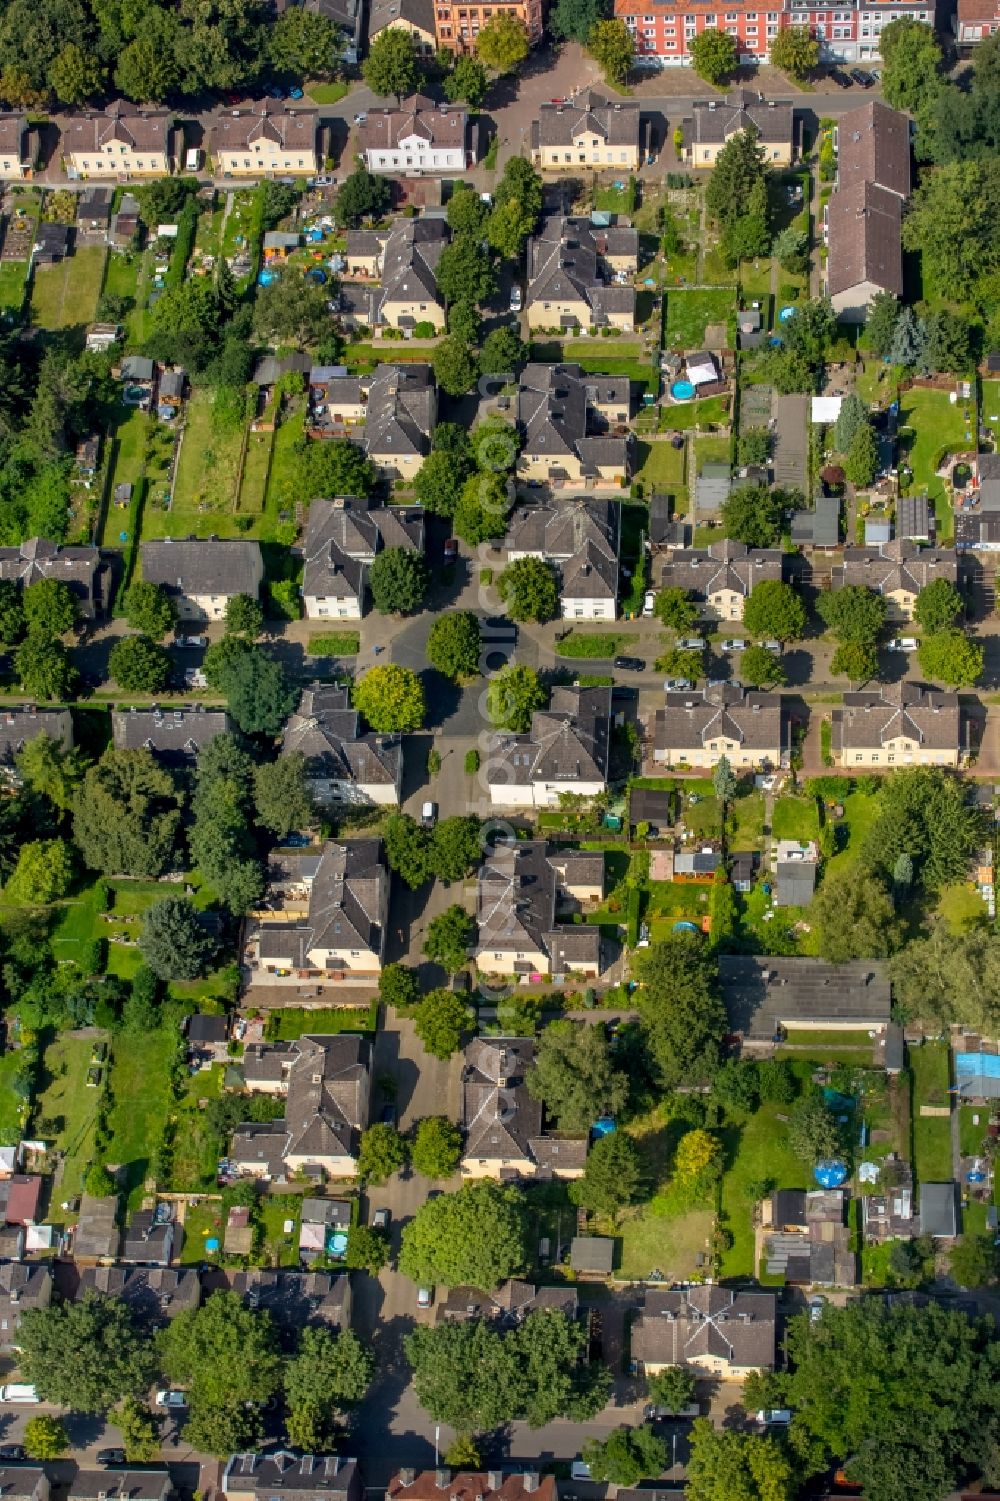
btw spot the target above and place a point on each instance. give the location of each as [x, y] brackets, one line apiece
[864, 79]
[630, 664]
[380, 1219]
[12, 1452]
[388, 1116]
[111, 1456]
[840, 78]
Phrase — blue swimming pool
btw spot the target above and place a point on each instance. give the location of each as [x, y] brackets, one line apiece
[682, 390]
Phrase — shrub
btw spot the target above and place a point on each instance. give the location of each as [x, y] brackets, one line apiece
[334, 644]
[471, 762]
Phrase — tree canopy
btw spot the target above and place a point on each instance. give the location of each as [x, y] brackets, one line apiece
[923, 813]
[390, 698]
[398, 579]
[512, 696]
[476, 1236]
[530, 589]
[951, 657]
[775, 609]
[174, 941]
[139, 665]
[855, 917]
[503, 43]
[754, 514]
[227, 1356]
[443, 1018]
[391, 64]
[453, 644]
[626, 1456]
[437, 1147]
[682, 1013]
[84, 1355]
[574, 1074]
[126, 815]
[714, 55]
[449, 935]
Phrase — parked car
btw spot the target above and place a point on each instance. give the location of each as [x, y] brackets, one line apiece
[863, 79]
[840, 78]
[773, 646]
[774, 1417]
[192, 643]
[630, 664]
[380, 1219]
[171, 1398]
[428, 815]
[903, 643]
[12, 1453]
[450, 550]
[676, 685]
[111, 1457]
[692, 643]
[18, 1391]
[734, 644]
[361, 119]
[425, 1297]
[816, 1305]
[515, 298]
[649, 602]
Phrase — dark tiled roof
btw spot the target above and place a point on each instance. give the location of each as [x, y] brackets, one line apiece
[419, 13]
[154, 1294]
[716, 120]
[22, 723]
[693, 719]
[324, 729]
[419, 116]
[402, 405]
[724, 565]
[141, 130]
[565, 264]
[409, 261]
[760, 992]
[175, 736]
[510, 1304]
[499, 1117]
[616, 123]
[295, 1299]
[896, 566]
[38, 558]
[120, 1485]
[199, 566]
[297, 1477]
[243, 129]
[864, 238]
[905, 709]
[581, 536]
[873, 145]
[568, 741]
[464, 1485]
[325, 1104]
[694, 1324]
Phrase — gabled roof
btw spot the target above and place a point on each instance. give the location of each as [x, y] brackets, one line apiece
[616, 123]
[516, 895]
[465, 1485]
[324, 729]
[898, 710]
[198, 566]
[402, 406]
[717, 119]
[294, 1477]
[266, 123]
[899, 566]
[326, 1101]
[37, 558]
[568, 741]
[419, 118]
[22, 723]
[864, 242]
[552, 407]
[122, 124]
[418, 13]
[722, 566]
[499, 1116]
[692, 719]
[294, 1299]
[695, 1324]
[580, 535]
[409, 261]
[153, 1294]
[509, 1305]
[565, 265]
[873, 145]
[175, 736]
[120, 1485]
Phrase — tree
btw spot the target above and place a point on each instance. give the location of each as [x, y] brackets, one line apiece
[880, 326]
[854, 613]
[530, 589]
[48, 768]
[923, 810]
[391, 64]
[49, 609]
[228, 1358]
[574, 20]
[627, 1455]
[281, 794]
[517, 203]
[503, 43]
[305, 44]
[974, 1261]
[244, 616]
[465, 272]
[126, 815]
[456, 847]
[462, 1454]
[957, 244]
[407, 849]
[949, 342]
[853, 414]
[398, 579]
[754, 445]
[675, 607]
[951, 657]
[813, 1132]
[791, 250]
[761, 667]
[11, 613]
[75, 76]
[475, 1236]
[939, 606]
[464, 323]
[85, 1355]
[455, 368]
[714, 55]
[726, 1465]
[611, 45]
[481, 512]
[391, 699]
[439, 480]
[453, 644]
[512, 696]
[753, 514]
[909, 340]
[382, 1152]
[774, 609]
[683, 1016]
[398, 986]
[173, 940]
[43, 668]
[147, 69]
[293, 309]
[911, 61]
[147, 609]
[363, 194]
[437, 1147]
[502, 351]
[333, 467]
[950, 978]
[227, 1427]
[449, 936]
[795, 51]
[258, 695]
[45, 1437]
[442, 1020]
[139, 1429]
[739, 167]
[672, 1388]
[612, 1174]
[367, 1250]
[574, 1075]
[905, 1395]
[861, 460]
[43, 874]
[697, 1164]
[467, 81]
[855, 916]
[139, 665]
[855, 660]
[328, 1373]
[98, 1181]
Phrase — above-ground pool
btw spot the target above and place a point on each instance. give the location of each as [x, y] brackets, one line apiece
[336, 1244]
[785, 314]
[686, 927]
[682, 390]
[266, 277]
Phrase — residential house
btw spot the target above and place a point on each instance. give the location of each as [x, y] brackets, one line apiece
[409, 293]
[819, 526]
[587, 130]
[663, 30]
[18, 146]
[575, 428]
[122, 141]
[10, 1161]
[149, 1239]
[897, 724]
[521, 891]
[266, 140]
[325, 916]
[763, 994]
[509, 1305]
[698, 727]
[795, 871]
[153, 1294]
[96, 1236]
[458, 25]
[326, 1084]
[816, 1252]
[417, 138]
[400, 418]
[714, 1331]
[174, 736]
[294, 1477]
[863, 218]
[363, 256]
[20, 1199]
[93, 212]
[566, 750]
[898, 571]
[170, 395]
[296, 1300]
[20, 724]
[21, 1482]
[714, 122]
[580, 275]
[938, 1210]
[415, 17]
[343, 537]
[80, 567]
[503, 1123]
[124, 231]
[581, 537]
[342, 765]
[22, 1285]
[201, 575]
[337, 402]
[975, 19]
[465, 1485]
[665, 533]
[721, 576]
[147, 1484]
[207, 1039]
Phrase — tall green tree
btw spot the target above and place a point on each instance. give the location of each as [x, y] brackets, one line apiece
[477, 1235]
[626, 1456]
[727, 1465]
[739, 166]
[139, 665]
[126, 815]
[774, 609]
[503, 43]
[382, 1152]
[149, 610]
[390, 698]
[923, 812]
[453, 644]
[222, 1352]
[391, 64]
[952, 657]
[329, 1373]
[754, 514]
[611, 45]
[49, 608]
[574, 1074]
[855, 916]
[174, 941]
[512, 696]
[398, 579]
[530, 589]
[612, 1176]
[443, 1019]
[449, 936]
[714, 55]
[682, 1013]
[85, 1355]
[795, 51]
[437, 1147]
[281, 794]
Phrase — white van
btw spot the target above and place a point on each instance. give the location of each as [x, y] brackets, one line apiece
[18, 1391]
[192, 162]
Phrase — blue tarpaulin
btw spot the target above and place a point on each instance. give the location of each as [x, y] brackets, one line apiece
[977, 1075]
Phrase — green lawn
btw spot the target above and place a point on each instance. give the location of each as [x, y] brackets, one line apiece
[931, 1134]
[66, 1109]
[594, 645]
[860, 812]
[244, 228]
[327, 93]
[290, 1022]
[961, 906]
[66, 295]
[660, 469]
[201, 1222]
[281, 1246]
[12, 287]
[141, 1098]
[207, 479]
[690, 313]
[712, 411]
[989, 409]
[196, 1148]
[930, 427]
[712, 450]
[756, 1151]
[282, 491]
[970, 1135]
[796, 818]
[253, 486]
[11, 1116]
[129, 274]
[747, 815]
